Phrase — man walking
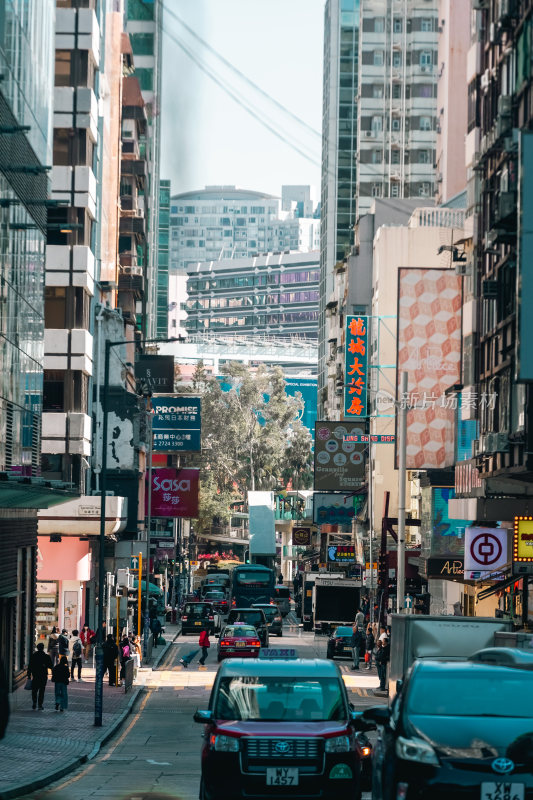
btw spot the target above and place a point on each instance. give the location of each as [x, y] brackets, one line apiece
[110, 656]
[40, 663]
[358, 645]
[205, 644]
[77, 650]
[63, 643]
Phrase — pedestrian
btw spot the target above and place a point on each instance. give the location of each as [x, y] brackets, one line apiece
[186, 660]
[205, 644]
[136, 653]
[53, 646]
[63, 643]
[382, 659]
[360, 619]
[110, 656]
[382, 633]
[60, 675]
[76, 649]
[124, 652]
[369, 646]
[358, 645]
[86, 636]
[280, 578]
[155, 627]
[40, 663]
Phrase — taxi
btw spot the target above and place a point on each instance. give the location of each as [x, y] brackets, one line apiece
[240, 641]
[282, 727]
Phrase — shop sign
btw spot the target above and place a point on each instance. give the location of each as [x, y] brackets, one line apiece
[157, 372]
[174, 493]
[485, 551]
[341, 553]
[356, 368]
[176, 424]
[448, 569]
[339, 464]
[523, 546]
[301, 537]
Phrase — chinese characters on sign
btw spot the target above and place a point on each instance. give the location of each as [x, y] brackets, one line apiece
[523, 546]
[341, 553]
[301, 537]
[356, 367]
[176, 424]
[174, 493]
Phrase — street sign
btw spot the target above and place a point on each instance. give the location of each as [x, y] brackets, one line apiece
[379, 438]
[176, 424]
[134, 562]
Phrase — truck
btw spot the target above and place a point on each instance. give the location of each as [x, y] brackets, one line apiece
[309, 579]
[416, 636]
[336, 600]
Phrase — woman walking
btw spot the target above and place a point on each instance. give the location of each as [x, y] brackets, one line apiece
[136, 653]
[53, 646]
[60, 678]
[369, 646]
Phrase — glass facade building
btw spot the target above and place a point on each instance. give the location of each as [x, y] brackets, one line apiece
[339, 148]
[162, 259]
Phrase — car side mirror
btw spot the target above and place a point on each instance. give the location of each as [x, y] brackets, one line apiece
[359, 724]
[203, 716]
[380, 715]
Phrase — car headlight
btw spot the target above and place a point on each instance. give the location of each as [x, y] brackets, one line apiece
[224, 744]
[416, 750]
[340, 744]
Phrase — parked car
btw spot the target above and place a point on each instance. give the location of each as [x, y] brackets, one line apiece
[251, 616]
[273, 618]
[340, 643]
[238, 641]
[197, 617]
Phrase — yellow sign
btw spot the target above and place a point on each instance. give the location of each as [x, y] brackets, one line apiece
[523, 539]
[194, 563]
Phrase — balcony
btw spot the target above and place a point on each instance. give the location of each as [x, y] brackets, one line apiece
[68, 349]
[86, 109]
[133, 226]
[64, 264]
[81, 34]
[133, 166]
[75, 185]
[66, 433]
[131, 279]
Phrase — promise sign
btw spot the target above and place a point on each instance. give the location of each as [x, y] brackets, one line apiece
[356, 368]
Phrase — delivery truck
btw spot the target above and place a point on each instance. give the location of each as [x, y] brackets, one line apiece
[336, 600]
[418, 636]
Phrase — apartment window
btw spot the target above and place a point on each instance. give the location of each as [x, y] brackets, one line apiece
[395, 156]
[423, 190]
[142, 44]
[426, 25]
[397, 25]
[426, 59]
[425, 123]
[395, 124]
[377, 90]
[62, 141]
[377, 156]
[396, 91]
[397, 58]
[395, 190]
[377, 124]
[379, 25]
[62, 68]
[55, 304]
[146, 78]
[423, 157]
[53, 390]
[376, 190]
[378, 58]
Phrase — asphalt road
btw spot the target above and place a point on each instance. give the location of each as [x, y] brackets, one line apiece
[156, 754]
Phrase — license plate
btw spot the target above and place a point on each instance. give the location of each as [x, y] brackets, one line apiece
[347, 649]
[502, 790]
[240, 644]
[197, 623]
[282, 776]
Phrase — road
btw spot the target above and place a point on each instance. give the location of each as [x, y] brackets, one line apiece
[157, 754]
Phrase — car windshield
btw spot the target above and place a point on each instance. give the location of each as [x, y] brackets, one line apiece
[239, 630]
[251, 617]
[275, 699]
[343, 631]
[197, 609]
[214, 595]
[453, 696]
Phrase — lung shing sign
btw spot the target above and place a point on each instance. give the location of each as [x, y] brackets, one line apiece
[174, 493]
[356, 368]
[485, 551]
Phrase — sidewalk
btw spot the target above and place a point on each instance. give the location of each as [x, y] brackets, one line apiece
[41, 746]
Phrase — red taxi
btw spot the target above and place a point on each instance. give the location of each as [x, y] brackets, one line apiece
[238, 641]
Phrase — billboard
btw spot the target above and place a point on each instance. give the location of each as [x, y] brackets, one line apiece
[262, 523]
[336, 509]
[485, 552]
[339, 464]
[301, 537]
[429, 350]
[356, 367]
[174, 492]
[176, 424]
[307, 387]
[341, 554]
[157, 372]
[447, 535]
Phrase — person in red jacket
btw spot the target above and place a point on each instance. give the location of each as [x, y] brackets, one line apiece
[86, 634]
[205, 644]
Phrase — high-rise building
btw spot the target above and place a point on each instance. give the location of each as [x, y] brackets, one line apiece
[144, 24]
[297, 199]
[339, 146]
[163, 260]
[26, 91]
[397, 116]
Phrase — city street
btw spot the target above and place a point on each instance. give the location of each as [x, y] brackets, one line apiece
[157, 752]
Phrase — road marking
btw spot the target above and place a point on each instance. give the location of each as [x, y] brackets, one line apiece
[158, 763]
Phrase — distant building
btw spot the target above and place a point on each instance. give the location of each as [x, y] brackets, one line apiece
[177, 304]
[226, 222]
[275, 294]
[297, 199]
[397, 117]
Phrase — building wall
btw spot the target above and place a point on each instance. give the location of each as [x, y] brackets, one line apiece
[397, 122]
[163, 260]
[452, 97]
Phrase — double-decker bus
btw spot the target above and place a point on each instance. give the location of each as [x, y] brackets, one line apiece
[252, 583]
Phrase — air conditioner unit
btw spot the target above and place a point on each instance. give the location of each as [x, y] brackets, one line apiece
[463, 268]
[422, 69]
[139, 212]
[369, 134]
[476, 447]
[485, 79]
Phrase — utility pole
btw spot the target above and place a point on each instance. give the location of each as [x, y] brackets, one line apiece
[402, 453]
[148, 532]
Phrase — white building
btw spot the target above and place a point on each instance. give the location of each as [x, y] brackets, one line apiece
[177, 299]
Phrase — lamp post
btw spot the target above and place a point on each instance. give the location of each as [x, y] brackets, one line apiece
[99, 681]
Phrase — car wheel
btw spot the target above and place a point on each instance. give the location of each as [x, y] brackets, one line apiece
[203, 792]
[280, 633]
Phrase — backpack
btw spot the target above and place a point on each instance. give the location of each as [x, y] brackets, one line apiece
[76, 648]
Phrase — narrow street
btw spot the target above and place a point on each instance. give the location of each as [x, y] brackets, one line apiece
[157, 752]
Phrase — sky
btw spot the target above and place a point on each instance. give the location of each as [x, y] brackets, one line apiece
[207, 138]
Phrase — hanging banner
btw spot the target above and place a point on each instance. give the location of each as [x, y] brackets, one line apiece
[339, 464]
[356, 368]
[176, 424]
[174, 493]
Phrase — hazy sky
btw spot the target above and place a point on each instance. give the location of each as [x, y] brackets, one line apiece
[206, 137]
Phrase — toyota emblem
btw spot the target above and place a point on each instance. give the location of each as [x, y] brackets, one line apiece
[282, 747]
[502, 765]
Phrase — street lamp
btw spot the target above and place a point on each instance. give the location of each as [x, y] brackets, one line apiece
[99, 681]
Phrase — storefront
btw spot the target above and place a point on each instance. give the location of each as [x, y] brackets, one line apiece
[63, 570]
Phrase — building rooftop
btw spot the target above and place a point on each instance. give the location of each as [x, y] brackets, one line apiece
[224, 193]
[289, 259]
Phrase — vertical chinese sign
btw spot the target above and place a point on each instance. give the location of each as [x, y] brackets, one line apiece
[356, 368]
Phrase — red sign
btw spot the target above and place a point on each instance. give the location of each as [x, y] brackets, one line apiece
[174, 493]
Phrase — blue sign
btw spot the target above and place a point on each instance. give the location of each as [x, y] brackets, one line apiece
[356, 368]
[176, 424]
[307, 387]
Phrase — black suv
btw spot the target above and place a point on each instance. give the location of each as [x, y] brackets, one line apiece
[251, 616]
[197, 617]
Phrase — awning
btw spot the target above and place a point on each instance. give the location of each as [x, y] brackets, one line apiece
[153, 588]
[498, 587]
[17, 491]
